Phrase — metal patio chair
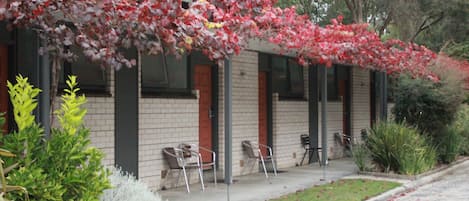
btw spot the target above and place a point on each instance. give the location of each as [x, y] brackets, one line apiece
[254, 153]
[177, 160]
[346, 141]
[305, 142]
[203, 151]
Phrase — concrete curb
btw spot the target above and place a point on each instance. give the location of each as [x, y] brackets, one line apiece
[420, 181]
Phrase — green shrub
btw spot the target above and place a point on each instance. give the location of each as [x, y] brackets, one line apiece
[427, 105]
[449, 144]
[6, 188]
[396, 147]
[361, 157]
[2, 120]
[462, 127]
[64, 167]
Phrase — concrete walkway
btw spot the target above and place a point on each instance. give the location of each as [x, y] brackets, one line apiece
[256, 187]
[453, 186]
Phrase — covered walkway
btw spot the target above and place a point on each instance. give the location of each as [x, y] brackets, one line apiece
[255, 187]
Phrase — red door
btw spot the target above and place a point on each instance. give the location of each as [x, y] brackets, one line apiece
[3, 84]
[263, 110]
[203, 82]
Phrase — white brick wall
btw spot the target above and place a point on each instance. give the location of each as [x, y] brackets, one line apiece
[245, 108]
[334, 125]
[290, 120]
[100, 121]
[360, 101]
[163, 122]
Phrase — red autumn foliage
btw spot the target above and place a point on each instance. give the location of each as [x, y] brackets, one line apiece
[219, 28]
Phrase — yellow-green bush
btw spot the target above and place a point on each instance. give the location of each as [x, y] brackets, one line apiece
[63, 167]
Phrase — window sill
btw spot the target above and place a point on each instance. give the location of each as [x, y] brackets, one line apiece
[289, 98]
[89, 93]
[104, 94]
[169, 95]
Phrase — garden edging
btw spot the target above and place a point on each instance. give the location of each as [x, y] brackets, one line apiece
[413, 177]
[418, 180]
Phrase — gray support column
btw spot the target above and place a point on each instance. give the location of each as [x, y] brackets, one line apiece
[313, 109]
[44, 100]
[323, 72]
[384, 96]
[228, 125]
[126, 117]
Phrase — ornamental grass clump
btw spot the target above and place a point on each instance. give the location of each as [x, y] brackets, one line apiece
[449, 144]
[361, 157]
[461, 126]
[398, 148]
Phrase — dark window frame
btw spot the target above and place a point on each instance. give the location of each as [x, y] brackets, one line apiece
[166, 91]
[289, 94]
[92, 89]
[333, 97]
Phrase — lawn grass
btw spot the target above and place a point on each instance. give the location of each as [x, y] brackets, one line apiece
[342, 190]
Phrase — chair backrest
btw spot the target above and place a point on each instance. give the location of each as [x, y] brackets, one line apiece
[186, 149]
[305, 140]
[169, 153]
[248, 148]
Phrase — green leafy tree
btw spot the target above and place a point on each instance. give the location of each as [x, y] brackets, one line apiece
[430, 106]
[459, 50]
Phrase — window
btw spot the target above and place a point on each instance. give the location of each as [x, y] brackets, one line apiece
[279, 75]
[165, 74]
[295, 73]
[287, 77]
[91, 76]
[334, 74]
[332, 84]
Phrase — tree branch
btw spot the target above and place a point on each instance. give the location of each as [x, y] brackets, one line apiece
[349, 6]
[385, 24]
[425, 26]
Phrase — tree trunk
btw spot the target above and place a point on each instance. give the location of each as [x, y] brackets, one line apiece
[356, 8]
[55, 72]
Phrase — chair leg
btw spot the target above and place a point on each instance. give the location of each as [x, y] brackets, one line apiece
[273, 165]
[310, 158]
[215, 173]
[165, 181]
[179, 177]
[304, 155]
[253, 164]
[185, 178]
[263, 165]
[201, 175]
